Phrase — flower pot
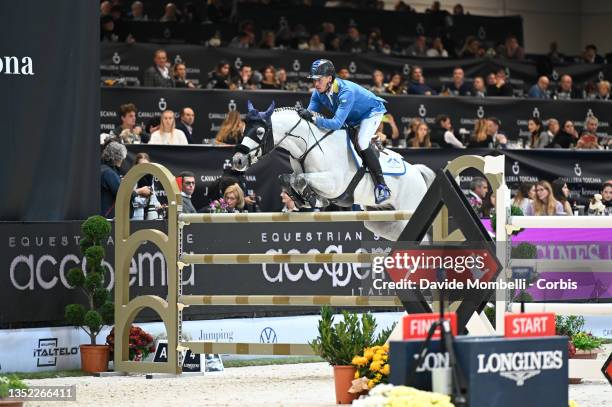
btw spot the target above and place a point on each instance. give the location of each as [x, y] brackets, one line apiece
[10, 403]
[94, 358]
[582, 354]
[343, 377]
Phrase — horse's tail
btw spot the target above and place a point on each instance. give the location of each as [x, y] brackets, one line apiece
[427, 173]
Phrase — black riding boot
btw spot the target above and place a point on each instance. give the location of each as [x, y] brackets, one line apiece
[371, 161]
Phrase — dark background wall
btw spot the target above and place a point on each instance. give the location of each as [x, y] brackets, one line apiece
[50, 163]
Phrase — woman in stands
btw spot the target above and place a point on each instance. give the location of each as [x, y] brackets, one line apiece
[232, 128]
[269, 78]
[421, 139]
[544, 203]
[479, 138]
[561, 193]
[539, 138]
[167, 134]
[524, 195]
[234, 197]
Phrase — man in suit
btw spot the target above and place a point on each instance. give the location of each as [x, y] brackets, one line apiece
[158, 76]
[185, 124]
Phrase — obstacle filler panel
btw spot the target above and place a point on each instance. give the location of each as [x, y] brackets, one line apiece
[500, 372]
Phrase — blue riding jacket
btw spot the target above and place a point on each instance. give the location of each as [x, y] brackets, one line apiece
[350, 103]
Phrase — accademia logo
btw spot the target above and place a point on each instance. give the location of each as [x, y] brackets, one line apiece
[520, 366]
[15, 66]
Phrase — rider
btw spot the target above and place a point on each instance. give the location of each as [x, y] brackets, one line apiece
[352, 105]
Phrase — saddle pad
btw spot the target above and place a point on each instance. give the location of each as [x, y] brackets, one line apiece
[391, 162]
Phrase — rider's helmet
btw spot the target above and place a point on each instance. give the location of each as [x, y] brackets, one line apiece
[321, 67]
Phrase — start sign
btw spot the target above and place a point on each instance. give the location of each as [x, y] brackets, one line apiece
[528, 325]
[416, 326]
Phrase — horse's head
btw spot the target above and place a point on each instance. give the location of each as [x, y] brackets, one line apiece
[258, 139]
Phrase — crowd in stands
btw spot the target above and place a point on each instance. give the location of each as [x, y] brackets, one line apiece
[542, 198]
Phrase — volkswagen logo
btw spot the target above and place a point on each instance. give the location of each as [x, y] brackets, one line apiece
[268, 335]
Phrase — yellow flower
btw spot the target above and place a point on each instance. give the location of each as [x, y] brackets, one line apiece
[377, 357]
[386, 347]
[359, 361]
[357, 374]
[371, 384]
[378, 377]
[368, 353]
[375, 366]
[386, 369]
[572, 403]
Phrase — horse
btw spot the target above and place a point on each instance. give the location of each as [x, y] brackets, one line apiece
[322, 162]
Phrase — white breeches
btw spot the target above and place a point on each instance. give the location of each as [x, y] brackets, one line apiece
[367, 130]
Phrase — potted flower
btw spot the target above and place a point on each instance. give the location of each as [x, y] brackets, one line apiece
[581, 345]
[9, 387]
[586, 345]
[141, 343]
[99, 310]
[372, 368]
[338, 343]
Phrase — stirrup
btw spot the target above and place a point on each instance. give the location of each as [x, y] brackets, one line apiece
[381, 193]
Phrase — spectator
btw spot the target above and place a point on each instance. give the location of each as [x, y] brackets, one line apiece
[538, 138]
[190, 14]
[353, 41]
[590, 90]
[590, 55]
[343, 73]
[185, 124]
[395, 86]
[220, 77]
[566, 91]
[421, 138]
[187, 183]
[167, 133]
[333, 44]
[403, 7]
[540, 89]
[554, 56]
[243, 40]
[234, 196]
[245, 78]
[105, 8]
[502, 87]
[561, 193]
[180, 77]
[603, 90]
[524, 196]
[387, 131]
[471, 48]
[493, 133]
[268, 80]
[512, 49]
[435, 8]
[479, 189]
[418, 49]
[553, 131]
[328, 32]
[437, 49]
[378, 82]
[458, 87]
[417, 85]
[442, 133]
[412, 130]
[158, 76]
[544, 203]
[568, 136]
[231, 130]
[375, 41]
[171, 14]
[480, 138]
[128, 131]
[268, 41]
[281, 80]
[108, 32]
[590, 126]
[315, 43]
[137, 12]
[458, 10]
[112, 158]
[491, 79]
[479, 89]
[144, 201]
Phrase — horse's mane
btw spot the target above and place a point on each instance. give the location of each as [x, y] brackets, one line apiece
[295, 109]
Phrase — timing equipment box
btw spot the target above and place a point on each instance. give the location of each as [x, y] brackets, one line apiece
[499, 372]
